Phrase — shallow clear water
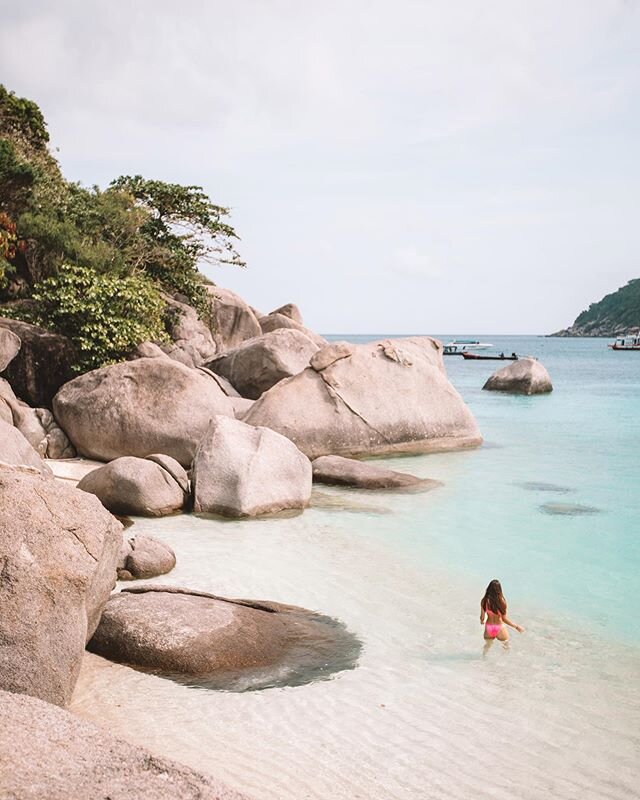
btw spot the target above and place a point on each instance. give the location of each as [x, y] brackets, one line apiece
[423, 715]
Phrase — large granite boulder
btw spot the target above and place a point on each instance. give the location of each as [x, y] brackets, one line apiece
[385, 397]
[9, 346]
[151, 405]
[524, 376]
[339, 471]
[138, 486]
[190, 335]
[227, 643]
[59, 550]
[144, 557]
[260, 363]
[232, 320]
[46, 753]
[243, 471]
[277, 321]
[42, 364]
[16, 450]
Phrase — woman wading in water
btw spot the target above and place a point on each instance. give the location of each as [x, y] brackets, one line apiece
[493, 615]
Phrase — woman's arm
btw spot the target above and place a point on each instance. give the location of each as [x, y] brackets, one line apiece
[508, 622]
[481, 614]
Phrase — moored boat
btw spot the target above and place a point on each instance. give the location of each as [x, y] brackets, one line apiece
[488, 357]
[630, 342]
[457, 346]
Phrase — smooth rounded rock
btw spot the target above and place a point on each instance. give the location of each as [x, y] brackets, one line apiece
[524, 376]
[386, 397]
[227, 644]
[258, 364]
[151, 405]
[144, 557]
[137, 486]
[243, 471]
[46, 753]
[339, 471]
[59, 550]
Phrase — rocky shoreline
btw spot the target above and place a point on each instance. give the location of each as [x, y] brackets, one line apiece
[237, 418]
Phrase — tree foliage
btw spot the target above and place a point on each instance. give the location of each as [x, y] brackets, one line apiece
[154, 233]
[616, 311]
[104, 314]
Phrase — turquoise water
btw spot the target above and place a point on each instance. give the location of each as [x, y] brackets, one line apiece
[584, 438]
[424, 715]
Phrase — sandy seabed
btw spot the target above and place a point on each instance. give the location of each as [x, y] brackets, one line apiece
[422, 716]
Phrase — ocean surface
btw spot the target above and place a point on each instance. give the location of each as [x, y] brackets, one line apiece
[549, 505]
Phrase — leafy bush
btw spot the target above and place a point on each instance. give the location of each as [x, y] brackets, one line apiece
[104, 315]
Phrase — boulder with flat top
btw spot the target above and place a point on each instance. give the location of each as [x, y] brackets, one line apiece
[340, 471]
[224, 643]
[385, 397]
[524, 376]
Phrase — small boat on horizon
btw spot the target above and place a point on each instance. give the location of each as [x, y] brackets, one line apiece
[630, 342]
[487, 357]
[457, 346]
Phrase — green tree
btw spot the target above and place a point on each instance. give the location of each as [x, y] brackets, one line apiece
[105, 315]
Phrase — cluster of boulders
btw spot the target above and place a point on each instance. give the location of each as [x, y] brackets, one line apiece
[236, 416]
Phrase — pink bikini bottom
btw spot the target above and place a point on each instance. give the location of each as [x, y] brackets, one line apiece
[492, 630]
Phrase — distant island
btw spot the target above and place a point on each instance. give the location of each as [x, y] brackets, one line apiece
[616, 314]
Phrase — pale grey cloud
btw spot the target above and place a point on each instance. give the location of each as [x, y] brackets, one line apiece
[367, 148]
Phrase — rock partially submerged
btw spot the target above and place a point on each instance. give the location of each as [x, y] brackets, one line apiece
[42, 364]
[227, 644]
[59, 550]
[385, 397]
[568, 509]
[260, 363]
[47, 753]
[139, 486]
[243, 471]
[524, 376]
[151, 405]
[144, 557]
[339, 471]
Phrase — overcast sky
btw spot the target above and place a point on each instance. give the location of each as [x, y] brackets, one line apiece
[449, 166]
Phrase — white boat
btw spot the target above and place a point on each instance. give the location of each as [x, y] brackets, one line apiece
[631, 342]
[457, 346]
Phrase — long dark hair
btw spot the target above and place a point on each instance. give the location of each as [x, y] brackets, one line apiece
[493, 599]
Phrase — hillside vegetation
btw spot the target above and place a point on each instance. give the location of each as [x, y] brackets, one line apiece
[93, 263]
[617, 313]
